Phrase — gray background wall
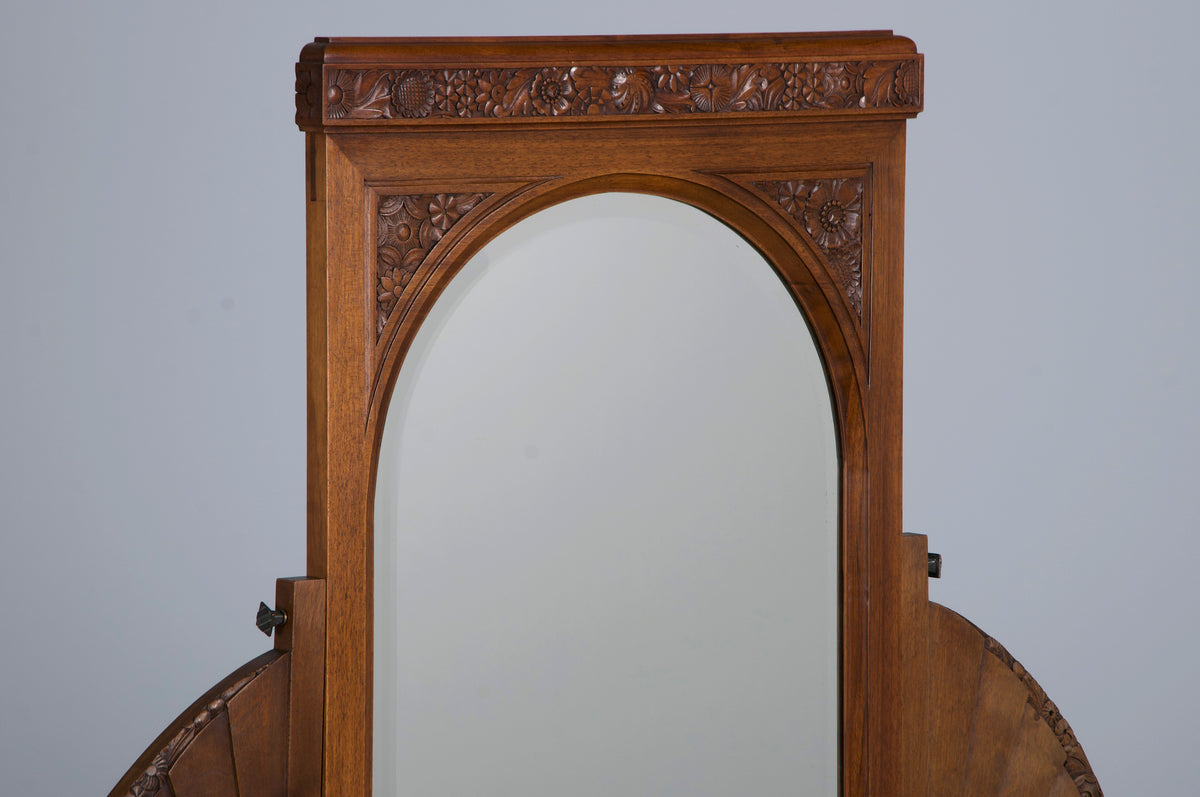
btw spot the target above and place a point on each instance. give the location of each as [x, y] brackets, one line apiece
[152, 477]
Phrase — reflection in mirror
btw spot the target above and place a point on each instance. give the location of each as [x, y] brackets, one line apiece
[606, 522]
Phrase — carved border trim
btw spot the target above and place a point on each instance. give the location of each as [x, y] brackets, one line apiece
[407, 228]
[832, 212]
[407, 95]
[152, 781]
[1077, 765]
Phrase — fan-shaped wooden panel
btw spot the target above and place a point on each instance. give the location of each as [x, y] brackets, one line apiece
[992, 729]
[197, 754]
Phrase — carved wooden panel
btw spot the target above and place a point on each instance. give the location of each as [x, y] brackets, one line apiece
[831, 211]
[993, 730]
[583, 90]
[407, 227]
[1077, 765]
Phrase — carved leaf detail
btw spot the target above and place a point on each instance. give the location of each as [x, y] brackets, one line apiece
[408, 227]
[831, 211]
[450, 93]
[1077, 765]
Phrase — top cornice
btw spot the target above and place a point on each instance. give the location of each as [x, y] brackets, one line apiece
[353, 82]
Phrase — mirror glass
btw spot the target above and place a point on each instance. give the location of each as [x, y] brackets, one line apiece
[606, 522]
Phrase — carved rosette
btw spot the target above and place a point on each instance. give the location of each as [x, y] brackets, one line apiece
[410, 94]
[1077, 765]
[408, 226]
[831, 211]
[154, 779]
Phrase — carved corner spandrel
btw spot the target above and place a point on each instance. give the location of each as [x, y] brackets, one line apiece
[408, 226]
[831, 211]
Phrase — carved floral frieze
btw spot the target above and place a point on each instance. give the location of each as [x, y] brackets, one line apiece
[831, 211]
[407, 227]
[474, 93]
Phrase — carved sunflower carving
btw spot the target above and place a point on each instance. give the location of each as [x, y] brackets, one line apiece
[412, 94]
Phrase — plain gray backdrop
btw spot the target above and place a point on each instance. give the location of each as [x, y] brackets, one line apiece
[152, 231]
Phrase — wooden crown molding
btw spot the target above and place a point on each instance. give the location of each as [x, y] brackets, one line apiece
[357, 82]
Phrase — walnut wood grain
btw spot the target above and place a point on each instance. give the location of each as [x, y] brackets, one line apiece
[954, 672]
[206, 767]
[154, 771]
[917, 717]
[303, 599]
[994, 731]
[1076, 764]
[258, 728]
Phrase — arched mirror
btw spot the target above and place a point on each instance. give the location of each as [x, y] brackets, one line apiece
[606, 521]
[586, 317]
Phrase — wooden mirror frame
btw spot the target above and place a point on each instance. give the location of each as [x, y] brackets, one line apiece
[420, 151]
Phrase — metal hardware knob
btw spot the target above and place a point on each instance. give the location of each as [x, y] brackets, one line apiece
[269, 619]
[935, 565]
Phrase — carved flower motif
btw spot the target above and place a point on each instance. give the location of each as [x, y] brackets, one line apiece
[846, 264]
[810, 79]
[412, 94]
[455, 92]
[444, 211]
[552, 91]
[672, 78]
[632, 89]
[791, 97]
[408, 227]
[593, 94]
[711, 87]
[491, 92]
[392, 284]
[793, 196]
[340, 94]
[151, 781]
[833, 212]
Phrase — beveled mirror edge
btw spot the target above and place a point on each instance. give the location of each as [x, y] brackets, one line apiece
[701, 255]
